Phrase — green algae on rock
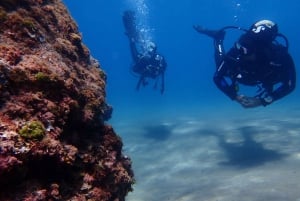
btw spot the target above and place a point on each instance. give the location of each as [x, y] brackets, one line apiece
[34, 130]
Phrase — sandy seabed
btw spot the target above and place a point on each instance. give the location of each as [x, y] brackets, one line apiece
[211, 157]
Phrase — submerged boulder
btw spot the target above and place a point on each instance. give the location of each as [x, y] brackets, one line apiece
[54, 142]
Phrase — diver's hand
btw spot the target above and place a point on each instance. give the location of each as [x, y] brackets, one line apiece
[248, 102]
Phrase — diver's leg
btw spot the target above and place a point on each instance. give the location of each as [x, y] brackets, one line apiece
[162, 88]
[133, 50]
[129, 23]
[141, 81]
[215, 34]
[218, 36]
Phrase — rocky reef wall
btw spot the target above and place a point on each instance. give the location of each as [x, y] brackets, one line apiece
[54, 142]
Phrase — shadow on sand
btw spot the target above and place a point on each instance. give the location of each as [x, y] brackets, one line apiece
[248, 152]
[158, 132]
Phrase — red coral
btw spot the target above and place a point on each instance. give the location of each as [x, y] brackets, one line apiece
[7, 163]
[50, 77]
[98, 194]
[38, 195]
[10, 54]
[54, 191]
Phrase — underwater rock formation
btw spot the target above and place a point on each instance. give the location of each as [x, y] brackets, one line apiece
[54, 142]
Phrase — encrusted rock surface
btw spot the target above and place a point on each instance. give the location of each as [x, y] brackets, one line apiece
[54, 142]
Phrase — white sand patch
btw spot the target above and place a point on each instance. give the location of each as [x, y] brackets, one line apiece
[254, 158]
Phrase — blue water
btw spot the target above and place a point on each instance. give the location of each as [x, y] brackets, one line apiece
[193, 142]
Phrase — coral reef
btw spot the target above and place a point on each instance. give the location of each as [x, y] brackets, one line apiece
[54, 141]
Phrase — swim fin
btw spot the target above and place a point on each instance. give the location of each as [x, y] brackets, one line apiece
[215, 34]
[129, 21]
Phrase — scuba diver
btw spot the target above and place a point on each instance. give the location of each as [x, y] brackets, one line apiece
[147, 62]
[257, 59]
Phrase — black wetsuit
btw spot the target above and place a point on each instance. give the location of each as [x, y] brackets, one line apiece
[148, 64]
[269, 67]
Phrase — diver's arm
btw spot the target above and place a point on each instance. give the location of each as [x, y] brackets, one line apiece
[230, 89]
[227, 89]
[248, 102]
[287, 85]
[218, 36]
[219, 50]
[221, 82]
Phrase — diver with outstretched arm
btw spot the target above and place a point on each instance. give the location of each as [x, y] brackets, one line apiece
[257, 59]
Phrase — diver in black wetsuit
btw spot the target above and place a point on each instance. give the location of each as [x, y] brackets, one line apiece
[257, 59]
[147, 62]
